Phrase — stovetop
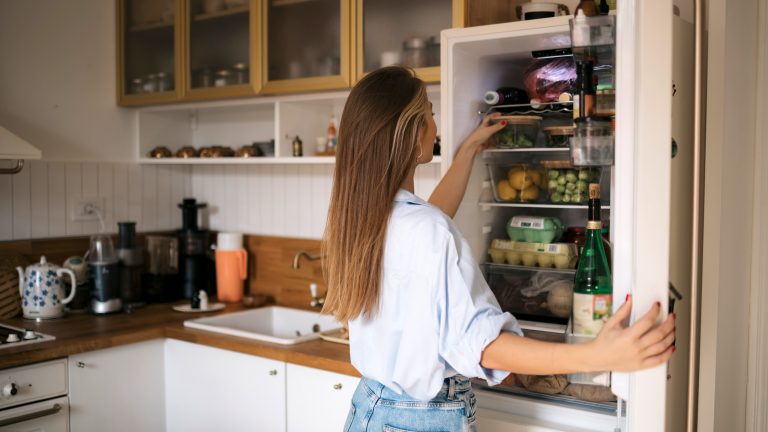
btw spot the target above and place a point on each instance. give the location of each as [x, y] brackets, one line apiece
[14, 336]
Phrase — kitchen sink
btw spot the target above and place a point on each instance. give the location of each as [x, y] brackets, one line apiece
[276, 324]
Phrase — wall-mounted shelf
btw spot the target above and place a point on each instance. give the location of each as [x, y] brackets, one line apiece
[288, 160]
[236, 123]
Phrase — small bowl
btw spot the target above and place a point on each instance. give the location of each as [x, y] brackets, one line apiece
[558, 136]
[520, 132]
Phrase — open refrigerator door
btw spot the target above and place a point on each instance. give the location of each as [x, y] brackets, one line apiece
[515, 187]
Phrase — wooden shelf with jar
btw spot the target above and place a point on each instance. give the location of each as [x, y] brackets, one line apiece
[187, 131]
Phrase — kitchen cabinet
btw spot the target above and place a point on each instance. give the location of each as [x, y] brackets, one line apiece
[213, 389]
[306, 45]
[403, 32]
[318, 400]
[149, 41]
[222, 59]
[118, 389]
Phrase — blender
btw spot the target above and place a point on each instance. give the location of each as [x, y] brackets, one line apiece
[104, 275]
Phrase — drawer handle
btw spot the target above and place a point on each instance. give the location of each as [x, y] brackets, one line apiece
[81, 365]
[337, 386]
[273, 372]
[30, 416]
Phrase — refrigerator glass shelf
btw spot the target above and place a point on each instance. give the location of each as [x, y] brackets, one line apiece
[530, 150]
[561, 399]
[504, 268]
[561, 111]
[534, 205]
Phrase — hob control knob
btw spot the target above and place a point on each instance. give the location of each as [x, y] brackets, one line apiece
[10, 389]
[30, 334]
[13, 337]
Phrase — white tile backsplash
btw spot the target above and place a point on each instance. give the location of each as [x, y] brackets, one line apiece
[39, 201]
[275, 200]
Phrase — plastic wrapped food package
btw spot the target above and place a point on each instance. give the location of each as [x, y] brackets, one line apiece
[546, 79]
[544, 294]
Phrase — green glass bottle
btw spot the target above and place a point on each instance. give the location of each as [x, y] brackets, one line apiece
[592, 289]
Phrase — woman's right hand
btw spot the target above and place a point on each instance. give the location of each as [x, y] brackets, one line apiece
[639, 346]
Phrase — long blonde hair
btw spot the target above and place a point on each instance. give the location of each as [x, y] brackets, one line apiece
[379, 139]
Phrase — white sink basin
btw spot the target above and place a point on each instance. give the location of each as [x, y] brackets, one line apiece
[275, 324]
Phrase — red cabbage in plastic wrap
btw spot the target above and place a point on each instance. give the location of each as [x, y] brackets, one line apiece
[545, 79]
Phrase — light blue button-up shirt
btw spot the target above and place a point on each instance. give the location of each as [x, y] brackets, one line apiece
[436, 314]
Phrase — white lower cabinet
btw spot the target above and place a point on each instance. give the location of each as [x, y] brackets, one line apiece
[318, 401]
[118, 389]
[210, 389]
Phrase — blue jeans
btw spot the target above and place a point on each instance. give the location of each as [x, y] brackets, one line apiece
[376, 408]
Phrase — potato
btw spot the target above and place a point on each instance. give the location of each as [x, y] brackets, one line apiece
[530, 194]
[560, 299]
[505, 191]
[520, 178]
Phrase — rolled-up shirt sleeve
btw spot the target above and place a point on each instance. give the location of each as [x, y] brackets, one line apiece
[469, 317]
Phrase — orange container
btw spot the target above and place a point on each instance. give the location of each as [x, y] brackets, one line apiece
[231, 271]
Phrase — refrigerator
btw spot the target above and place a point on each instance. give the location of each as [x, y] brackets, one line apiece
[648, 198]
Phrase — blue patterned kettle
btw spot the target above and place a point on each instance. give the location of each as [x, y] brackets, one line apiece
[42, 290]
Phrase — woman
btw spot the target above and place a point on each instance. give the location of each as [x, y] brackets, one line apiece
[421, 317]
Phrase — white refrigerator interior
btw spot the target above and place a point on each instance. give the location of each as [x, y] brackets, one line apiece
[649, 203]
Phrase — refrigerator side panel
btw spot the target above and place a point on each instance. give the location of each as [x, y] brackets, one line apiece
[681, 217]
[647, 79]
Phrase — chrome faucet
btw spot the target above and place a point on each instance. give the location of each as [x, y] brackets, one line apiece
[306, 255]
[316, 302]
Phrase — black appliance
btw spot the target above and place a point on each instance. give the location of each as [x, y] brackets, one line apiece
[195, 264]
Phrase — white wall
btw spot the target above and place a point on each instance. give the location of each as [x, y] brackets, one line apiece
[728, 210]
[39, 201]
[278, 200]
[57, 79]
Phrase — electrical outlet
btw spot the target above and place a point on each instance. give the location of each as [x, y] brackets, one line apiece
[86, 209]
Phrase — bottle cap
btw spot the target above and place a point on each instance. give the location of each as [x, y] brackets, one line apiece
[227, 241]
[491, 97]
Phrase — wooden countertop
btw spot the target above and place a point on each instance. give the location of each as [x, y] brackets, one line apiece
[78, 333]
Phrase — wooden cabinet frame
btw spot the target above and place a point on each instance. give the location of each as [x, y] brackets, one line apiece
[125, 99]
[254, 67]
[428, 74]
[297, 85]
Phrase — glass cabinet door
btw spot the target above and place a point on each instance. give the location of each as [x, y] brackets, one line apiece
[307, 45]
[148, 41]
[220, 55]
[404, 32]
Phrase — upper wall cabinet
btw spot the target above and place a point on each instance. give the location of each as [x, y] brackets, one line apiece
[221, 57]
[307, 45]
[403, 32]
[149, 43]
